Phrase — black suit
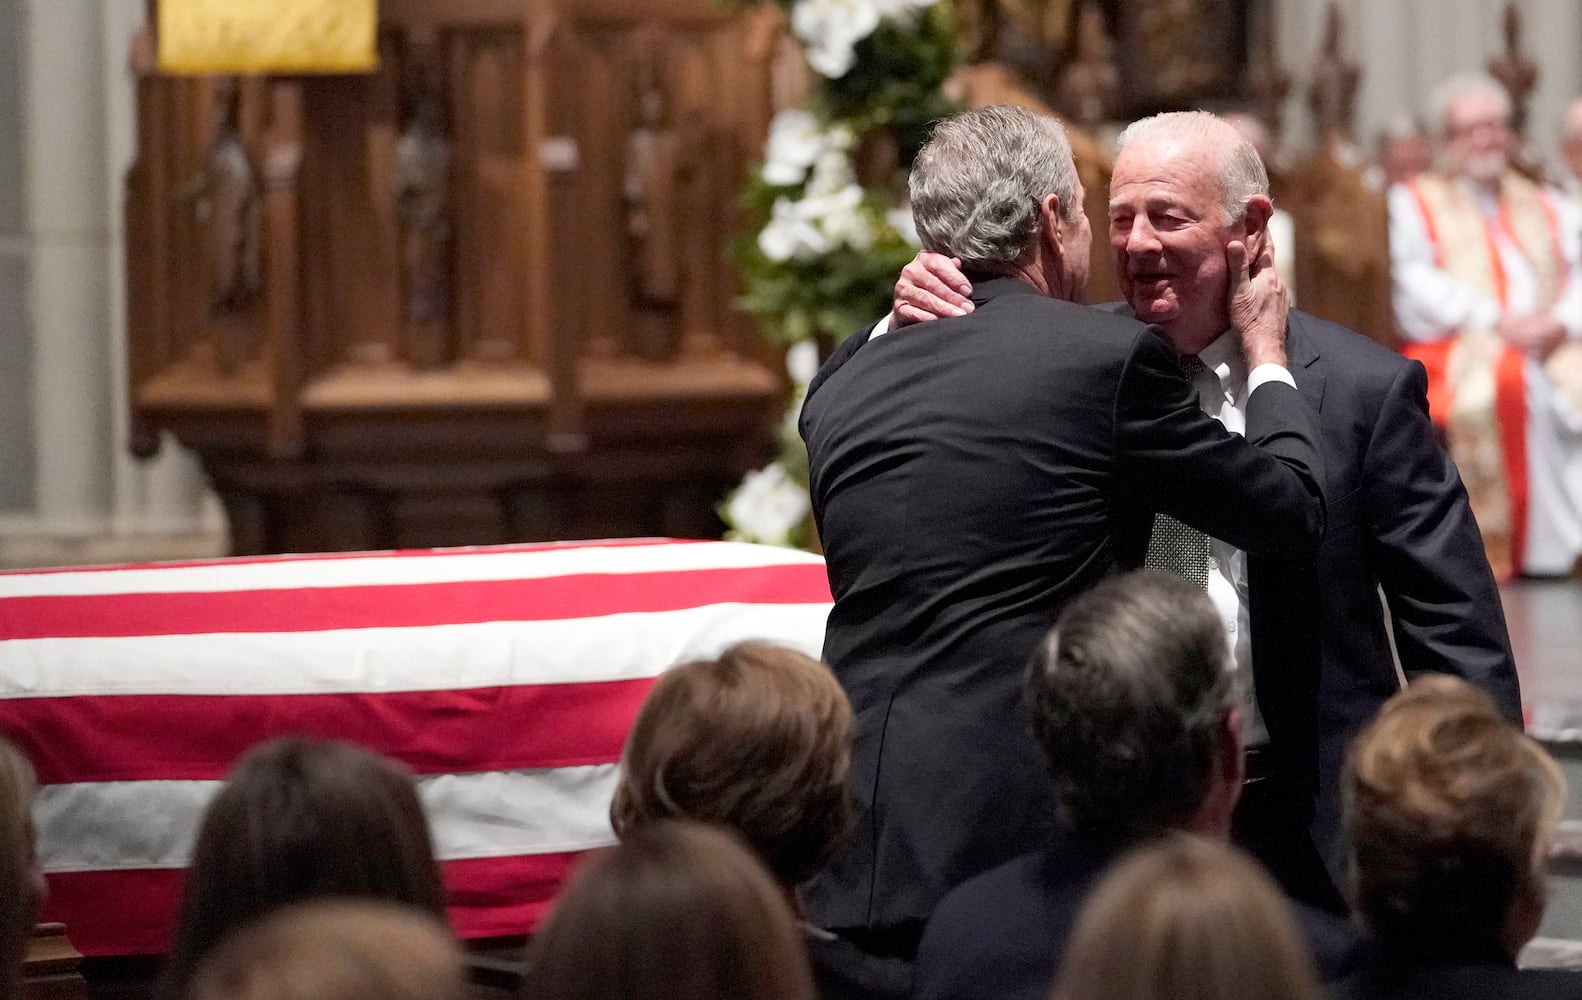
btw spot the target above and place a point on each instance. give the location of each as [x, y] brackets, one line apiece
[968, 478]
[1398, 520]
[1469, 973]
[1003, 934]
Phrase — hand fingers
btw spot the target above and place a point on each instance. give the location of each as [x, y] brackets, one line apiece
[926, 275]
[1236, 259]
[915, 303]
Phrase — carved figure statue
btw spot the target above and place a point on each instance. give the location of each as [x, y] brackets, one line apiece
[655, 163]
[226, 202]
[422, 182]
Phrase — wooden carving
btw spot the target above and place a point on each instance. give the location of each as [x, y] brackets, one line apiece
[1089, 88]
[1266, 83]
[1342, 224]
[423, 202]
[226, 203]
[476, 296]
[1514, 68]
[1333, 92]
[655, 168]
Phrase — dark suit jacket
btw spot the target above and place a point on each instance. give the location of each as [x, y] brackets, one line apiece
[1470, 974]
[968, 478]
[1003, 934]
[1398, 520]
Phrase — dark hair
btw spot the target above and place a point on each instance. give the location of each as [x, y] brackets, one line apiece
[302, 819]
[335, 950]
[1450, 810]
[18, 890]
[758, 740]
[1129, 695]
[1187, 919]
[677, 909]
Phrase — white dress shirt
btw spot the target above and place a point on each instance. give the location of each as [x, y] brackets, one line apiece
[1223, 388]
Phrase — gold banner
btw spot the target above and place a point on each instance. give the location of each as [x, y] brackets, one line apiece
[267, 36]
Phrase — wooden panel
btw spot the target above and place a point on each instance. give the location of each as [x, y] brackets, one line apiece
[461, 330]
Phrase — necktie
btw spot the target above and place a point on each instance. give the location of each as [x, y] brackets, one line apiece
[1174, 547]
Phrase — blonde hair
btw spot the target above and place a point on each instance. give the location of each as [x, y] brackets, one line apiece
[758, 740]
[1450, 812]
[18, 898]
[1187, 919]
[336, 950]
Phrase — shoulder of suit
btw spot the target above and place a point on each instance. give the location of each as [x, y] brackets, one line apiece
[1346, 349]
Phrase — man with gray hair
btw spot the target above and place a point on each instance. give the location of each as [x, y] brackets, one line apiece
[1487, 273]
[1134, 702]
[970, 478]
[1310, 638]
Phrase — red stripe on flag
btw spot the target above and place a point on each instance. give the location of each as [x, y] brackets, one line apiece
[133, 911]
[470, 550]
[312, 609]
[198, 737]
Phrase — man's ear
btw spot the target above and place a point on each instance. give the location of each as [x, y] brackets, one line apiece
[1049, 225]
[1255, 221]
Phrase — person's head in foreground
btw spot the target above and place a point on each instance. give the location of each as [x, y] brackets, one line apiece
[758, 740]
[301, 819]
[1450, 811]
[21, 883]
[997, 188]
[1133, 699]
[1472, 115]
[335, 950]
[1186, 184]
[677, 909]
[1186, 919]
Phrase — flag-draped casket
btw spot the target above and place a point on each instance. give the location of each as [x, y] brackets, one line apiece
[505, 677]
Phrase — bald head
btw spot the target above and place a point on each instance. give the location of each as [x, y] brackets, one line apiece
[1239, 170]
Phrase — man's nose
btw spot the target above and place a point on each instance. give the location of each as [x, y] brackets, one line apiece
[1141, 238]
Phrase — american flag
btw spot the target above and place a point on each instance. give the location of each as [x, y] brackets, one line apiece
[505, 677]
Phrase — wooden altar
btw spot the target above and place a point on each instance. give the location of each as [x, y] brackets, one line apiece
[477, 296]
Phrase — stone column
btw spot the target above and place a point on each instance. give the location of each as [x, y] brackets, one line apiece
[70, 280]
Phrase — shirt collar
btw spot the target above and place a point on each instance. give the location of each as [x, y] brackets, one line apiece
[1223, 357]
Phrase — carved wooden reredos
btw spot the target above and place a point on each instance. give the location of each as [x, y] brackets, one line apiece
[479, 295]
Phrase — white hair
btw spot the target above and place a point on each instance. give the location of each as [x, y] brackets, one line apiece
[978, 182]
[1448, 92]
[1241, 171]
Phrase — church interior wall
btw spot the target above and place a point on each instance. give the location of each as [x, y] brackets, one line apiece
[66, 131]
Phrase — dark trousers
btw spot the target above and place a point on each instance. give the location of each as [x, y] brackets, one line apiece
[1271, 823]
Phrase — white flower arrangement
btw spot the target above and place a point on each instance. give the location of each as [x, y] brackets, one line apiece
[828, 242]
[831, 29]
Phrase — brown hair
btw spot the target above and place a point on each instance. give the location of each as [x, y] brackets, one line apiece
[19, 897]
[301, 819]
[335, 950]
[1450, 810]
[758, 740]
[1187, 919]
[677, 909]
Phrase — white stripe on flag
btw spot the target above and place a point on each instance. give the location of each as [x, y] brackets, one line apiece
[377, 660]
[99, 826]
[384, 570]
